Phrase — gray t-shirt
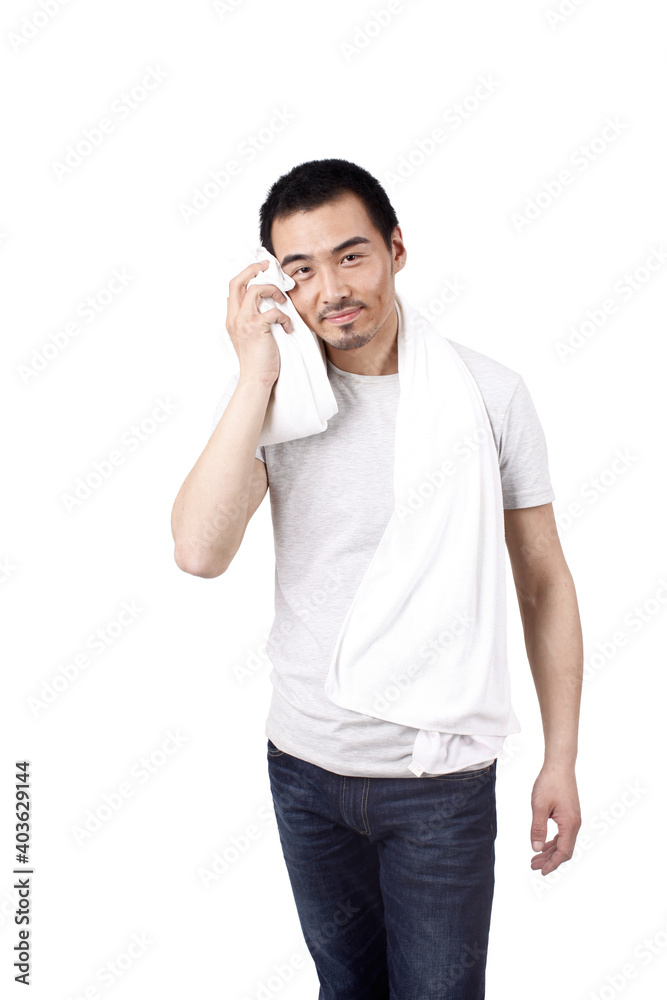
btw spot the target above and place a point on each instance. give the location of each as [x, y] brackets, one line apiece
[331, 497]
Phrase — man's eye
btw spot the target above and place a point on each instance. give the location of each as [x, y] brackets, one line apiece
[306, 268]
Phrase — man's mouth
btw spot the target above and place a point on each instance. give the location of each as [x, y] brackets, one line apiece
[345, 317]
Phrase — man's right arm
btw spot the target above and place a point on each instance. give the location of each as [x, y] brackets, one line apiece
[225, 486]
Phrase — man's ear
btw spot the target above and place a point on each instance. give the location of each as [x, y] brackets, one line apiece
[399, 264]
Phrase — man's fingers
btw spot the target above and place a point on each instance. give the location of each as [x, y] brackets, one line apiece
[538, 829]
[556, 859]
[276, 316]
[549, 847]
[567, 834]
[244, 302]
[557, 851]
[268, 292]
[237, 284]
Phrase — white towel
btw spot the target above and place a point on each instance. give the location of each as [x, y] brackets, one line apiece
[302, 400]
[424, 641]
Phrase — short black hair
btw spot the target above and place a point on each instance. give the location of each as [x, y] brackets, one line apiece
[315, 182]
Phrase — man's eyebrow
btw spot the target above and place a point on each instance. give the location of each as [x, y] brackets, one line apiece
[352, 242]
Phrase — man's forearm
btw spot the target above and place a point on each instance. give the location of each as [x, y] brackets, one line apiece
[554, 647]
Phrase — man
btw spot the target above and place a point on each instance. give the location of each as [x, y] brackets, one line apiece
[392, 874]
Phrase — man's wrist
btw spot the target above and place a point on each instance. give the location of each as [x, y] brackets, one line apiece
[262, 382]
[560, 760]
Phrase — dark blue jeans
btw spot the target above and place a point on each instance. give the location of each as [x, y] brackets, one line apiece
[392, 878]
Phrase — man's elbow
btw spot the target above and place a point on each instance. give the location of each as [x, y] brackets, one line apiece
[195, 565]
[542, 587]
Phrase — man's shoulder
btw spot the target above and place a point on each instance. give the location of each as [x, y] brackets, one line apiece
[485, 365]
[496, 381]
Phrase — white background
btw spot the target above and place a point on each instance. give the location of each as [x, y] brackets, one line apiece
[371, 94]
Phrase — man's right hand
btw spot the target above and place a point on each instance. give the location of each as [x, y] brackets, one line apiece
[249, 329]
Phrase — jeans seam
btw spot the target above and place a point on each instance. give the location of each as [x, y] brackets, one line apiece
[342, 800]
[364, 803]
[342, 806]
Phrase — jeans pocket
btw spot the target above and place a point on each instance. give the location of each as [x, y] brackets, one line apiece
[462, 775]
[273, 750]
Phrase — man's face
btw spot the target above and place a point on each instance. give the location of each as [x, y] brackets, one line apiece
[340, 264]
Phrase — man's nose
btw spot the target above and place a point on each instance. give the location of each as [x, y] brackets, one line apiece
[333, 288]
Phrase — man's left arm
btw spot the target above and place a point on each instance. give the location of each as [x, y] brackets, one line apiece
[554, 646]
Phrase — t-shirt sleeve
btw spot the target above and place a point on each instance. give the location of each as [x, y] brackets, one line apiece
[222, 406]
[523, 458]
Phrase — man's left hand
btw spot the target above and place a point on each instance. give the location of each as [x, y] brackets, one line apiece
[554, 797]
